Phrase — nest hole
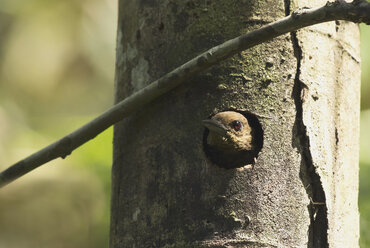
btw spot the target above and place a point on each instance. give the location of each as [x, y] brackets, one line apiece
[244, 157]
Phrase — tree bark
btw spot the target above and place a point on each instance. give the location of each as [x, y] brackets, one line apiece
[302, 87]
[329, 74]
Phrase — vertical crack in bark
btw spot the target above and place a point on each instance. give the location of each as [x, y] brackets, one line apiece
[317, 232]
[287, 7]
[310, 179]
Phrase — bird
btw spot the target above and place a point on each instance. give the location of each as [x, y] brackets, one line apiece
[229, 142]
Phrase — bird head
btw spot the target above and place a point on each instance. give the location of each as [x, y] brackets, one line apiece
[229, 132]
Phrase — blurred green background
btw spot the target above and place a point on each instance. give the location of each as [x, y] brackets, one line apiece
[56, 73]
[364, 195]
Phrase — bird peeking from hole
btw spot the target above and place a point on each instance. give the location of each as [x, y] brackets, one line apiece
[230, 142]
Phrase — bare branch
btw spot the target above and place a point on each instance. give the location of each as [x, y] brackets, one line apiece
[356, 11]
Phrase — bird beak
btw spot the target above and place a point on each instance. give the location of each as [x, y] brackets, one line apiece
[215, 126]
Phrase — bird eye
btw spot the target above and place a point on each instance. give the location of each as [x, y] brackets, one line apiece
[237, 125]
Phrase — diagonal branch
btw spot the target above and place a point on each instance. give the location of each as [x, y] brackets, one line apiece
[356, 11]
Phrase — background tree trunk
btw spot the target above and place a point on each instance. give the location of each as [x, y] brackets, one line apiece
[304, 89]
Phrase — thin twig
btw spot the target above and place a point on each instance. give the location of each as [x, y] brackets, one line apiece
[356, 11]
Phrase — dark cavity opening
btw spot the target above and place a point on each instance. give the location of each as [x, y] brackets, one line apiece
[241, 158]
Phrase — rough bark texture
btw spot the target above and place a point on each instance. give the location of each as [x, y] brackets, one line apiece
[328, 77]
[167, 193]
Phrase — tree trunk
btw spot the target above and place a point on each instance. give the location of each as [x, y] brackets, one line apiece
[302, 88]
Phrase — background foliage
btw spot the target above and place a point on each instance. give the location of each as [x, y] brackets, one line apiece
[364, 197]
[56, 73]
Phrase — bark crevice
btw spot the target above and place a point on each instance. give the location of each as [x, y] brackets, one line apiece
[318, 228]
[317, 233]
